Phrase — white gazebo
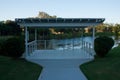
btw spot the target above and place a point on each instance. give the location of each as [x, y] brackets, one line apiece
[32, 50]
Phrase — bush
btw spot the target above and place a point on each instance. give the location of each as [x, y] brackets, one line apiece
[13, 47]
[102, 45]
[0, 48]
[1, 44]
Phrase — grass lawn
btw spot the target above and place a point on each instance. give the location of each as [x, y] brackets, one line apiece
[107, 68]
[18, 69]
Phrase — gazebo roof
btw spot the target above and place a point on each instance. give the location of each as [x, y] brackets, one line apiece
[58, 22]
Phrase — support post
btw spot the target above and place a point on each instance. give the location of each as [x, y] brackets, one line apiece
[35, 34]
[45, 43]
[73, 38]
[93, 37]
[35, 38]
[26, 42]
[82, 37]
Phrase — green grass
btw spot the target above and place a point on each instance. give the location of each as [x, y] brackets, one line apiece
[107, 68]
[19, 69]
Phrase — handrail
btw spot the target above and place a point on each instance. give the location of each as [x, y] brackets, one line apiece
[88, 47]
[31, 42]
[52, 44]
[32, 46]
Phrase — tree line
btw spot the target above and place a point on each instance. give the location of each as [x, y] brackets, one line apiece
[9, 28]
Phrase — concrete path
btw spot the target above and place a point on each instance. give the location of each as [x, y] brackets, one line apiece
[62, 74]
[61, 69]
[60, 64]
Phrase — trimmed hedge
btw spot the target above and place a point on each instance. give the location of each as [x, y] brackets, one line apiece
[13, 47]
[102, 45]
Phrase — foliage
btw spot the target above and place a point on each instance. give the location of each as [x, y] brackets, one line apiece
[102, 45]
[2, 41]
[45, 15]
[9, 28]
[1, 44]
[105, 28]
[117, 29]
[104, 34]
[13, 47]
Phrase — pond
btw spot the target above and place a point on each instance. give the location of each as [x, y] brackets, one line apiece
[74, 43]
[64, 43]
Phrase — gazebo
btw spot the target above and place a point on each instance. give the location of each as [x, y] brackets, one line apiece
[31, 48]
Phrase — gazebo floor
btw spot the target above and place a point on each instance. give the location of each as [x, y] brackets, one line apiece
[58, 58]
[60, 54]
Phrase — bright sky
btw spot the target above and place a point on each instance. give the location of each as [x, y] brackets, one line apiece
[109, 9]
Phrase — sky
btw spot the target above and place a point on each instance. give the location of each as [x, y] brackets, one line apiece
[108, 9]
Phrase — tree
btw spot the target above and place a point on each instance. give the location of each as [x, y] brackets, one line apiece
[45, 15]
[9, 28]
[14, 29]
[100, 28]
[117, 30]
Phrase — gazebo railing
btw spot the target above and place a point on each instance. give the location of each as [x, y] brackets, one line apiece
[59, 45]
[32, 46]
[88, 47]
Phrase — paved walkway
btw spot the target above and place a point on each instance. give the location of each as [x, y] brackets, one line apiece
[60, 64]
[61, 69]
[62, 74]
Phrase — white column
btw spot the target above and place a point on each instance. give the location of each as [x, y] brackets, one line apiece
[73, 38]
[35, 38]
[35, 34]
[93, 37]
[82, 37]
[26, 42]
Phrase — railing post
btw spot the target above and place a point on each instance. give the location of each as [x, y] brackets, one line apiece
[73, 44]
[84, 45]
[66, 43]
[32, 46]
[89, 48]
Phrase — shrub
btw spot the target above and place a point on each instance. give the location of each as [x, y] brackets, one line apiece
[13, 47]
[1, 44]
[0, 48]
[102, 45]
